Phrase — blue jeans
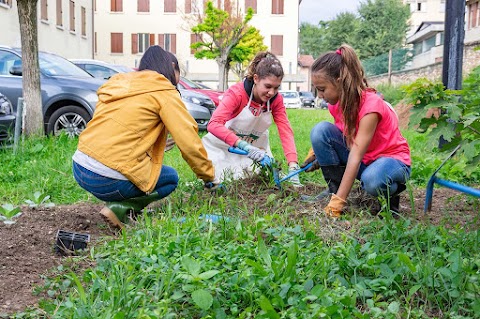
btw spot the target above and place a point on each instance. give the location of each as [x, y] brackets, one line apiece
[381, 177]
[115, 190]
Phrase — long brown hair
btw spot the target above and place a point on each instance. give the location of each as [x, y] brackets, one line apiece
[343, 67]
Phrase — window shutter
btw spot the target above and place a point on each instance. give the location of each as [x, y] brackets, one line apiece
[116, 42]
[188, 6]
[151, 39]
[277, 44]
[134, 43]
[251, 4]
[173, 43]
[161, 40]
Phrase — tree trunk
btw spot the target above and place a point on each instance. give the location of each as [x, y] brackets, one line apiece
[33, 115]
[222, 62]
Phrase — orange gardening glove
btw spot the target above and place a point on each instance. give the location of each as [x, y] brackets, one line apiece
[335, 206]
[309, 159]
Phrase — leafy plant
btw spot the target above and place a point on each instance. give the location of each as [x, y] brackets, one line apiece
[40, 200]
[450, 116]
[8, 213]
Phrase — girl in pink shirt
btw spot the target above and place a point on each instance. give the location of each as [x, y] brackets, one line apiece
[364, 142]
[243, 118]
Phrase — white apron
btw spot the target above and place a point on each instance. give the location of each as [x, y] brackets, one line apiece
[250, 128]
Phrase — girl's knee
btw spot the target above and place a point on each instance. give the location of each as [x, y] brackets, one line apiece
[319, 131]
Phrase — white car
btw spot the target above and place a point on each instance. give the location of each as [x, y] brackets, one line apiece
[291, 99]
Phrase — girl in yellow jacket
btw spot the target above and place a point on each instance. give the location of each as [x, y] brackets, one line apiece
[120, 153]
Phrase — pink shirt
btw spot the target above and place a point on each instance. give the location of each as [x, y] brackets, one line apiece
[387, 140]
[234, 101]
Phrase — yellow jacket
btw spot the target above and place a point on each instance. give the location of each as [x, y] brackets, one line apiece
[129, 128]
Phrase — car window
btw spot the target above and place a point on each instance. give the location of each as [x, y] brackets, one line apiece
[290, 95]
[54, 65]
[7, 60]
[99, 71]
[191, 84]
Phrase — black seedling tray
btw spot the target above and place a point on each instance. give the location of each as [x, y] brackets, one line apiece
[67, 243]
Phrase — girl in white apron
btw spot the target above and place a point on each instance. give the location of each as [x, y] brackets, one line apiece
[245, 114]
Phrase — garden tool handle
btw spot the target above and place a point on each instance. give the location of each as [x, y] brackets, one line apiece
[266, 161]
[297, 172]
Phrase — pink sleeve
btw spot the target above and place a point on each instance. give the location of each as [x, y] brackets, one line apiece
[284, 129]
[229, 107]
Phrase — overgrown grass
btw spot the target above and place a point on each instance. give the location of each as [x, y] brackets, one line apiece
[260, 263]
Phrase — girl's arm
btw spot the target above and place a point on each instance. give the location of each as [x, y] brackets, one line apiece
[366, 129]
[285, 131]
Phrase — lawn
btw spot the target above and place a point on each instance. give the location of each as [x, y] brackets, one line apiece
[271, 256]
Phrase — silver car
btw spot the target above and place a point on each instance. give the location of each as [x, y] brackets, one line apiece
[69, 94]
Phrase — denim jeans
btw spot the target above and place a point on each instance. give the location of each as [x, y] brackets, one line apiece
[381, 177]
[115, 190]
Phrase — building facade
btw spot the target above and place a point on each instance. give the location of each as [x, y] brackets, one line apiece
[124, 29]
[65, 27]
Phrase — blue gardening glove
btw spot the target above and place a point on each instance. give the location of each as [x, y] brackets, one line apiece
[294, 180]
[254, 153]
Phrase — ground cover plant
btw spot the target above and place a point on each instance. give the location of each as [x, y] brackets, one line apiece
[271, 257]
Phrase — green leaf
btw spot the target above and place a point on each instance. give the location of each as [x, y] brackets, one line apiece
[407, 262]
[268, 308]
[208, 274]
[394, 307]
[192, 267]
[263, 252]
[202, 299]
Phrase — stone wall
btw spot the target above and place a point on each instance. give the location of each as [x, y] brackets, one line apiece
[471, 59]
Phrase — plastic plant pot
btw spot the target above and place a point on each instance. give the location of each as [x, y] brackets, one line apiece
[68, 243]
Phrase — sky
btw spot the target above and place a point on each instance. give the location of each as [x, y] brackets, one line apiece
[312, 11]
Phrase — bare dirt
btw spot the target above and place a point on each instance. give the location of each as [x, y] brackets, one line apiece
[27, 248]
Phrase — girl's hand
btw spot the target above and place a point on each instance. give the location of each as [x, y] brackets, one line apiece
[335, 206]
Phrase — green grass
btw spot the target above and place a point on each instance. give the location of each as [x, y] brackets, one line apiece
[262, 263]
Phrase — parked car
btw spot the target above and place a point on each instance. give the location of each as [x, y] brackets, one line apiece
[199, 105]
[187, 84]
[69, 94]
[7, 120]
[321, 103]
[307, 98]
[291, 99]
[100, 69]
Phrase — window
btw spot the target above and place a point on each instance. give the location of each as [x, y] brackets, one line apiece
[116, 42]
[421, 6]
[193, 39]
[170, 6]
[84, 21]
[188, 6]
[277, 45]
[473, 11]
[7, 61]
[143, 5]
[251, 4]
[277, 6]
[59, 13]
[116, 5]
[44, 10]
[141, 42]
[7, 2]
[72, 16]
[168, 42]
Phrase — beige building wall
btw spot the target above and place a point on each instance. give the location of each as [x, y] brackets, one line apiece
[158, 22]
[51, 37]
[423, 11]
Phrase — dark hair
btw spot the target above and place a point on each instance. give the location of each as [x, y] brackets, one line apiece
[264, 64]
[157, 59]
[343, 67]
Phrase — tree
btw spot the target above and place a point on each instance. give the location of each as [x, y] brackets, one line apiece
[342, 29]
[27, 16]
[312, 38]
[221, 31]
[245, 50]
[383, 26]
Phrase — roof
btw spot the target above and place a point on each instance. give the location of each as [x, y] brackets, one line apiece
[426, 30]
[305, 60]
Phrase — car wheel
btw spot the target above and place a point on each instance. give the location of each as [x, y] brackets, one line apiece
[70, 119]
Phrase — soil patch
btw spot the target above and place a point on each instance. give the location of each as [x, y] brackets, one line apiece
[27, 247]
